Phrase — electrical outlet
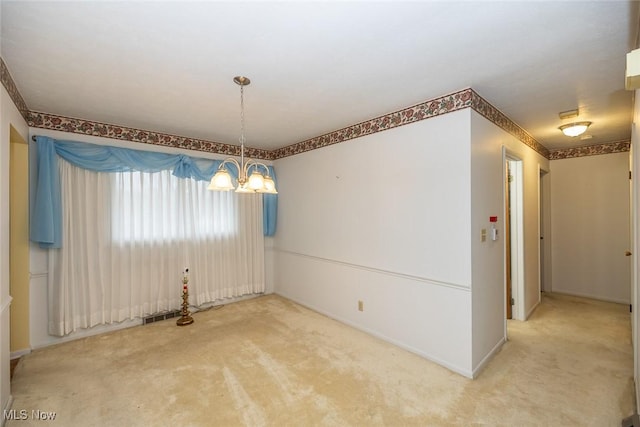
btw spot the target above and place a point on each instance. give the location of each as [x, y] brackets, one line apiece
[360, 306]
[483, 235]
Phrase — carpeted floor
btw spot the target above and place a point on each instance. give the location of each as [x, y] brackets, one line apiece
[268, 361]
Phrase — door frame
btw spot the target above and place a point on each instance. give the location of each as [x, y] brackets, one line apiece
[507, 240]
[634, 229]
[544, 230]
[516, 232]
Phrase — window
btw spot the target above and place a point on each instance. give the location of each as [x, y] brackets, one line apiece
[128, 236]
[153, 207]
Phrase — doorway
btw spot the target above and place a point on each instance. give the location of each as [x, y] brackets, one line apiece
[544, 206]
[514, 237]
[19, 245]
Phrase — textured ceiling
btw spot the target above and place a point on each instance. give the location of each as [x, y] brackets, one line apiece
[319, 66]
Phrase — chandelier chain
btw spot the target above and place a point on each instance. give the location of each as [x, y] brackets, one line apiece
[242, 138]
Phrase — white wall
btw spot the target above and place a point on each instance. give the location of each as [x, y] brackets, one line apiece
[396, 200]
[634, 160]
[38, 310]
[545, 210]
[384, 219]
[393, 219]
[487, 199]
[9, 117]
[590, 227]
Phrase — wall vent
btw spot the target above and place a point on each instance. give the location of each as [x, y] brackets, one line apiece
[160, 316]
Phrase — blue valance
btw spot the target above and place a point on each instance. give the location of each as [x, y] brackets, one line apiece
[46, 209]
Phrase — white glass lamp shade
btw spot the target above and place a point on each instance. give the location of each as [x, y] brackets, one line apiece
[269, 186]
[221, 181]
[244, 188]
[574, 129]
[256, 181]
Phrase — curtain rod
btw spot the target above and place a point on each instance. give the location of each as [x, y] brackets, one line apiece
[33, 138]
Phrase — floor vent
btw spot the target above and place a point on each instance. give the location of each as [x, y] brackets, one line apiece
[160, 316]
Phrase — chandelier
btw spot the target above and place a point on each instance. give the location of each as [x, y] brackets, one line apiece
[250, 178]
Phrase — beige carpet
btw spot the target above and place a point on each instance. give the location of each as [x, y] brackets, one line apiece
[268, 361]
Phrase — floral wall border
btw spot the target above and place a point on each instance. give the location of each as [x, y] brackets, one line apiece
[425, 110]
[12, 89]
[591, 150]
[466, 98]
[498, 118]
[88, 127]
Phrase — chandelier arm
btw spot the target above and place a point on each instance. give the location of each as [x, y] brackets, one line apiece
[256, 164]
[246, 166]
[230, 160]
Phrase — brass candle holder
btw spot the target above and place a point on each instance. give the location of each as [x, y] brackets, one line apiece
[186, 318]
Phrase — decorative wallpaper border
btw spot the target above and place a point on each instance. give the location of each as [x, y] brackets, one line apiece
[12, 89]
[466, 98]
[495, 116]
[87, 127]
[591, 150]
[425, 110]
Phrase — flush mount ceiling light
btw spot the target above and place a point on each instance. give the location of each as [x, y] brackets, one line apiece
[256, 182]
[575, 129]
[572, 129]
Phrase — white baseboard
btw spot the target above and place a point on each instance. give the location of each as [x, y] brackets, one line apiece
[637, 386]
[18, 354]
[5, 304]
[225, 301]
[586, 295]
[7, 407]
[50, 340]
[531, 310]
[458, 370]
[483, 363]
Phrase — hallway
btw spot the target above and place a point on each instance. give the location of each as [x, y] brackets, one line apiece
[571, 364]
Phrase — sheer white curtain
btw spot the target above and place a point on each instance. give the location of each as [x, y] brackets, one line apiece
[128, 236]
